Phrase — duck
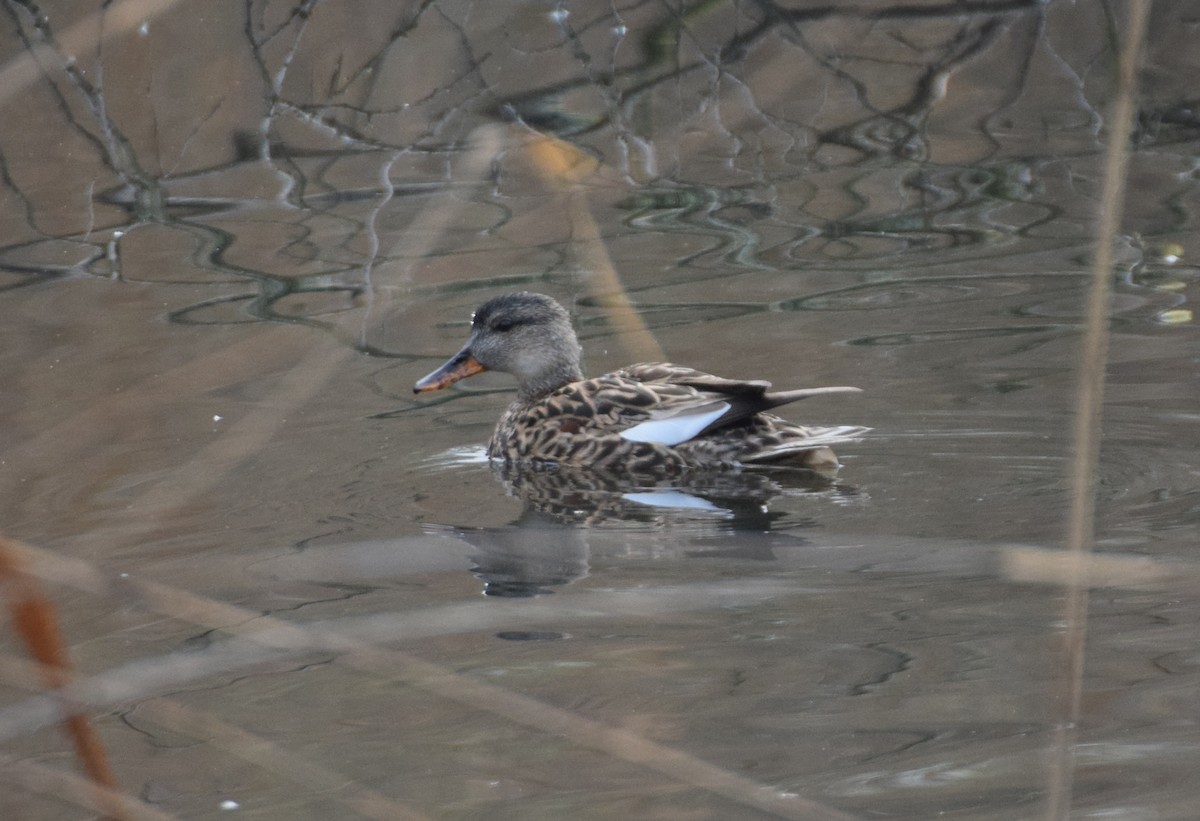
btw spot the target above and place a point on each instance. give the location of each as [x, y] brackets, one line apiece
[652, 418]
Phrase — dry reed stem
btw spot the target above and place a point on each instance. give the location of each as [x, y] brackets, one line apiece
[622, 744]
[1064, 568]
[35, 621]
[268, 639]
[1088, 411]
[70, 788]
[564, 167]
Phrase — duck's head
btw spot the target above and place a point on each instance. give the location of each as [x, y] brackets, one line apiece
[524, 334]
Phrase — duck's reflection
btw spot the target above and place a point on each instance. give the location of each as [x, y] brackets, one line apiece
[567, 511]
[592, 498]
[527, 558]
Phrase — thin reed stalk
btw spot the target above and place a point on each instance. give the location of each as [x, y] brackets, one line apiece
[1088, 413]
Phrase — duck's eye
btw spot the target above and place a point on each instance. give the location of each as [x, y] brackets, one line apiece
[503, 325]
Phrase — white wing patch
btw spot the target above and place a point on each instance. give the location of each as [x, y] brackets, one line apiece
[678, 427]
[675, 499]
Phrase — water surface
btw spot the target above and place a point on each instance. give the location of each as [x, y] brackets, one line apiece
[234, 237]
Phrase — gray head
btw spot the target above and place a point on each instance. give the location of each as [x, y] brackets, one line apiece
[527, 335]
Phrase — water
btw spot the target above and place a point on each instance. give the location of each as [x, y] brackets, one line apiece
[221, 284]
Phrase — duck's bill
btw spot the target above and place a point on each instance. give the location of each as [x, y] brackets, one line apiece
[460, 366]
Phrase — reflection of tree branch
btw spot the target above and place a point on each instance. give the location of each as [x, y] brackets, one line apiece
[119, 154]
[291, 177]
[213, 242]
[370, 68]
[931, 86]
[900, 134]
[26, 204]
[1014, 89]
[660, 47]
[319, 116]
[195, 130]
[902, 11]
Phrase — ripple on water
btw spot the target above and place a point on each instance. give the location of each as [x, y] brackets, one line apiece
[960, 334]
[457, 457]
[904, 293]
[1049, 295]
[701, 503]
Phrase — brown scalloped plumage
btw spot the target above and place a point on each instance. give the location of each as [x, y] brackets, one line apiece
[696, 419]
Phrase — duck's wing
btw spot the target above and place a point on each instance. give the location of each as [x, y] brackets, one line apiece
[638, 406]
[667, 373]
[676, 404]
[795, 439]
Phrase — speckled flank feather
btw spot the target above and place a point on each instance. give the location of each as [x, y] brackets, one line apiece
[580, 421]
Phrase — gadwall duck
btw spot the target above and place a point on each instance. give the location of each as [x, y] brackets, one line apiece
[650, 418]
